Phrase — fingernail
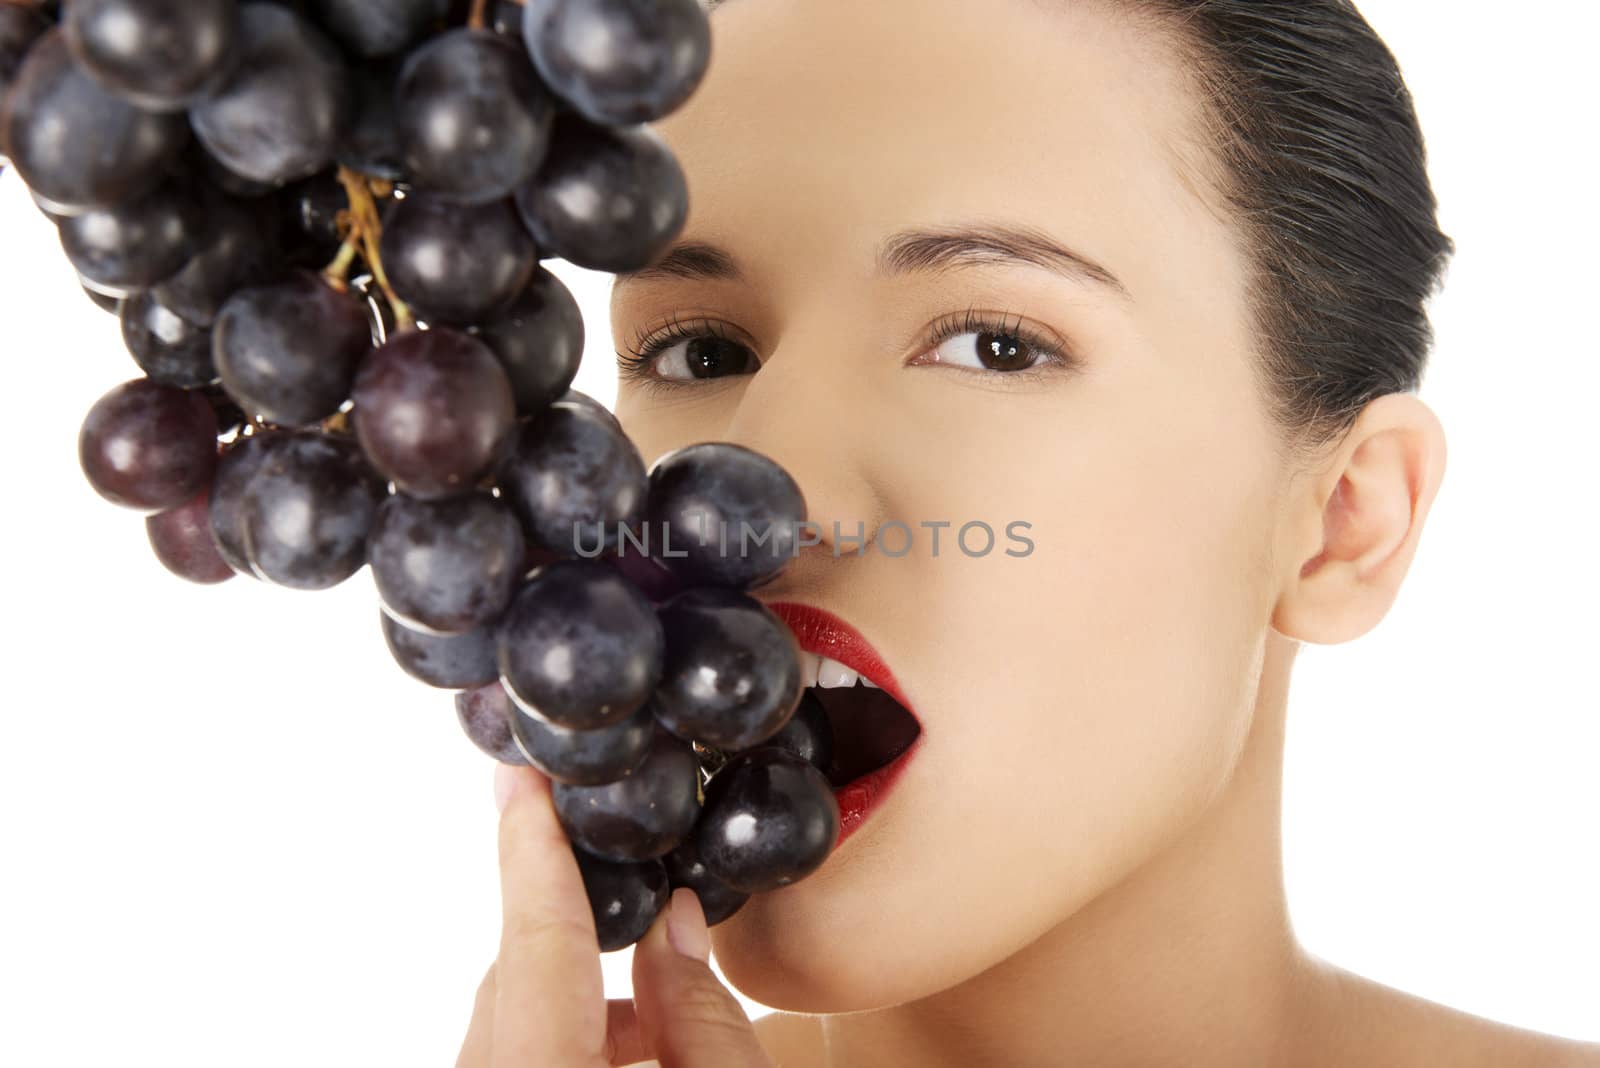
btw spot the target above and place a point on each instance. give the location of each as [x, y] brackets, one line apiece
[506, 781]
[686, 925]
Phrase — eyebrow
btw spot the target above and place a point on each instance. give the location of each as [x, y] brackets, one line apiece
[907, 252]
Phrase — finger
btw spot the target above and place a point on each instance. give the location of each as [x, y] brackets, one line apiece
[686, 1015]
[476, 1046]
[624, 1041]
[550, 1003]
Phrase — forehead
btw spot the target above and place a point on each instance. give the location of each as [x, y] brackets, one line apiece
[822, 125]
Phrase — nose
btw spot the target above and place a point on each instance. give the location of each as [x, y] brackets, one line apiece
[814, 419]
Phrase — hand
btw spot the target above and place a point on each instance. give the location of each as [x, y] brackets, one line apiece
[542, 1003]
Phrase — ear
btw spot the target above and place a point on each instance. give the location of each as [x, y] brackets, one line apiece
[1354, 525]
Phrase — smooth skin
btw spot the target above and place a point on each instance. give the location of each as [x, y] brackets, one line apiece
[1082, 866]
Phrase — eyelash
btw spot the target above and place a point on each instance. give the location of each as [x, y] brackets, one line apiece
[1053, 355]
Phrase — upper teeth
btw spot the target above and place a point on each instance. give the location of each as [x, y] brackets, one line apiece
[816, 670]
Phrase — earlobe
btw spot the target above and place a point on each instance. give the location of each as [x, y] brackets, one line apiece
[1360, 521]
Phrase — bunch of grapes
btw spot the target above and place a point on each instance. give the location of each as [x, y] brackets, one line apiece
[320, 223]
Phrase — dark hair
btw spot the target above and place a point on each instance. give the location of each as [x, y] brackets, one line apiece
[1319, 158]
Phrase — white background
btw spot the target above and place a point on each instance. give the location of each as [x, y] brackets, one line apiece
[234, 832]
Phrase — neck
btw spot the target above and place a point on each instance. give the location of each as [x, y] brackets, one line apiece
[1189, 960]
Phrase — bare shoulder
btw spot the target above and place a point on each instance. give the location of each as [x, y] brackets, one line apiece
[790, 1039]
[1380, 1024]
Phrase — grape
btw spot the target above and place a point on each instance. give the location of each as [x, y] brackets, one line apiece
[474, 119]
[373, 144]
[237, 249]
[281, 111]
[717, 899]
[456, 263]
[308, 219]
[580, 645]
[230, 417]
[168, 348]
[640, 816]
[653, 580]
[589, 402]
[196, 160]
[445, 566]
[574, 478]
[448, 661]
[147, 446]
[433, 411]
[808, 734]
[717, 491]
[619, 62]
[506, 18]
[19, 28]
[625, 898]
[484, 713]
[103, 301]
[769, 819]
[77, 144]
[583, 757]
[610, 199]
[289, 350]
[539, 340]
[235, 469]
[730, 676]
[378, 27]
[181, 538]
[136, 243]
[160, 54]
[307, 509]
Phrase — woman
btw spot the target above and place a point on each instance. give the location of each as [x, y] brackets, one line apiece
[1150, 278]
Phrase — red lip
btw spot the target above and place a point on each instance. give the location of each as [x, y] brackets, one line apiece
[821, 632]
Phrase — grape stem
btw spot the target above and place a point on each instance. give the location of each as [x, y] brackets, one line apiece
[479, 16]
[365, 232]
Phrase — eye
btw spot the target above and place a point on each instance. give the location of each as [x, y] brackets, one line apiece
[977, 342]
[680, 353]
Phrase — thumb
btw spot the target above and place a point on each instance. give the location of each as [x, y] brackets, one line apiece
[689, 1019]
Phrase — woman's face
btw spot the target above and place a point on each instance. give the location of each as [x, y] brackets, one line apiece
[1078, 704]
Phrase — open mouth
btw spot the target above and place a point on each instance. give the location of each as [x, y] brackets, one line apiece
[869, 727]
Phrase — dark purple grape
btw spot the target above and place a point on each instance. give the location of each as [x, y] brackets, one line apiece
[104, 301]
[373, 144]
[307, 215]
[583, 398]
[581, 645]
[619, 62]
[769, 820]
[133, 244]
[505, 17]
[653, 580]
[610, 199]
[733, 514]
[584, 757]
[539, 340]
[76, 143]
[147, 446]
[433, 410]
[640, 816]
[238, 248]
[474, 119]
[235, 469]
[731, 673]
[456, 263]
[181, 539]
[717, 899]
[19, 28]
[574, 479]
[446, 566]
[160, 54]
[289, 350]
[370, 28]
[307, 510]
[808, 734]
[448, 661]
[280, 113]
[625, 898]
[484, 713]
[197, 161]
[168, 348]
